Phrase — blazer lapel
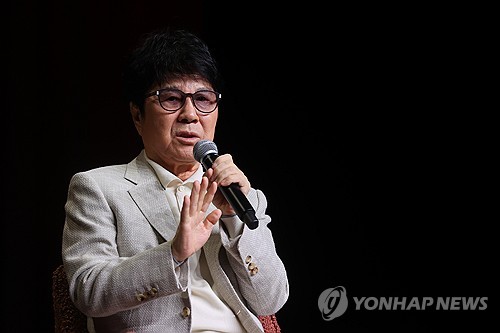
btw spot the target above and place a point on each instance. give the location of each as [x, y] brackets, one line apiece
[149, 195]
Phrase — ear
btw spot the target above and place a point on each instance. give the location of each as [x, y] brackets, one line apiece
[136, 117]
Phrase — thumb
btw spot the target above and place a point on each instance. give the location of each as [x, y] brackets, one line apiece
[214, 216]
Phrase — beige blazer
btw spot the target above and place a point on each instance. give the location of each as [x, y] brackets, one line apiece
[117, 254]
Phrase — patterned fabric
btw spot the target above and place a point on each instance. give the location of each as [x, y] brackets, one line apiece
[270, 324]
[68, 319]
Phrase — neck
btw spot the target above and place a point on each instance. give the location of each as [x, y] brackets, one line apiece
[182, 169]
[184, 172]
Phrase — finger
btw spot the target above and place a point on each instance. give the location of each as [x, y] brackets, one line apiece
[222, 161]
[185, 211]
[209, 173]
[209, 196]
[203, 193]
[213, 217]
[233, 175]
[227, 175]
[195, 194]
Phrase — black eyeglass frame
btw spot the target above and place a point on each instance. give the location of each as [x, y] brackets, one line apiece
[184, 95]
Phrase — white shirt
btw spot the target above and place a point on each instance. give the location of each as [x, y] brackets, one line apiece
[209, 312]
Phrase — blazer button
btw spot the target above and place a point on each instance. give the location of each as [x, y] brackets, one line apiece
[153, 291]
[141, 297]
[248, 259]
[186, 312]
[254, 270]
[251, 266]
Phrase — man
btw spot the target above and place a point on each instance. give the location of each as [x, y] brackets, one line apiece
[153, 245]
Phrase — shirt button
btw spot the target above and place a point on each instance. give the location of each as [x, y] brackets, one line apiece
[181, 188]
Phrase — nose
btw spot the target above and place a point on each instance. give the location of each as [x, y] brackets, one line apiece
[188, 112]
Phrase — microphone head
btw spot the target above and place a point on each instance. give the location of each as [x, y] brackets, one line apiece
[202, 148]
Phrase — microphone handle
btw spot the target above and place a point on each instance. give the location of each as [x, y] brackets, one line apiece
[234, 196]
[240, 204]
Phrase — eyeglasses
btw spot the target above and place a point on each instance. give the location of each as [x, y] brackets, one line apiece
[171, 100]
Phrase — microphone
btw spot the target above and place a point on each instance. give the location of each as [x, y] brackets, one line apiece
[205, 152]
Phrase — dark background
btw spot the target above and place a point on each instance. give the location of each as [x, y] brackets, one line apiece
[369, 128]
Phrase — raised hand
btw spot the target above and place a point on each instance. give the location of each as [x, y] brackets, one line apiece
[195, 225]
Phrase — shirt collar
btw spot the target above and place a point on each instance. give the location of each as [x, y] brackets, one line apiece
[168, 179]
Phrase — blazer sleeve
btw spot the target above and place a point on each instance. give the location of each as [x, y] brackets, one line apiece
[103, 280]
[262, 278]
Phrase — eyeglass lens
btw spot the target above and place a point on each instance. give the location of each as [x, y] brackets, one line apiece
[172, 100]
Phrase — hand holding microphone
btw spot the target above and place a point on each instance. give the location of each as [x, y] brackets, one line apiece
[206, 153]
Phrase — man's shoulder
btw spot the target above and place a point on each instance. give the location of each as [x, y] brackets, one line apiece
[113, 169]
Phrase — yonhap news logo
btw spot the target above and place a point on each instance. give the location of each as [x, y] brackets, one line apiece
[333, 302]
